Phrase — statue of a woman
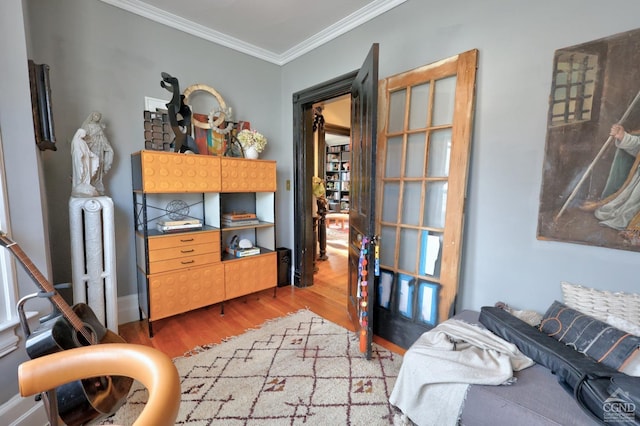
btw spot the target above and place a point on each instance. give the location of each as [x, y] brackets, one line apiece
[100, 146]
[85, 165]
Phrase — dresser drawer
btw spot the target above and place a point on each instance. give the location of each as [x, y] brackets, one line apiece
[184, 251]
[184, 239]
[183, 263]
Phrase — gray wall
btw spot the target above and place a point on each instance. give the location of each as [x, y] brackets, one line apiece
[516, 40]
[105, 59]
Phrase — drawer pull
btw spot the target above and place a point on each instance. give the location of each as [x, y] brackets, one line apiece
[187, 240]
[187, 251]
[187, 262]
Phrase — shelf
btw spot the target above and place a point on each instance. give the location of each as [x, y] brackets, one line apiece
[237, 228]
[156, 233]
[227, 257]
[187, 269]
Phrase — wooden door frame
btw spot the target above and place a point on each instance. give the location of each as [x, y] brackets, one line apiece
[303, 153]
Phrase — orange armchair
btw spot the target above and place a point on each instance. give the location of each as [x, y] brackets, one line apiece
[147, 365]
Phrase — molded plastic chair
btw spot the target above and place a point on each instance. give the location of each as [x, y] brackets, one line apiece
[147, 365]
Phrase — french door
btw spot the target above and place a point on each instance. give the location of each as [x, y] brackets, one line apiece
[424, 145]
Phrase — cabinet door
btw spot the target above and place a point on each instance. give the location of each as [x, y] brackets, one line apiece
[245, 276]
[157, 171]
[181, 291]
[240, 175]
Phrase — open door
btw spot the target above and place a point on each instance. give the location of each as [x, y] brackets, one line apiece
[362, 240]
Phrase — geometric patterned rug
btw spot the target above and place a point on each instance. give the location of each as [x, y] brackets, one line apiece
[294, 370]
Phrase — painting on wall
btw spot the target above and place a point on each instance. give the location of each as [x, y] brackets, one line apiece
[590, 180]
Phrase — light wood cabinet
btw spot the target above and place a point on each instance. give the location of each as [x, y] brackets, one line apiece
[179, 291]
[245, 276]
[182, 271]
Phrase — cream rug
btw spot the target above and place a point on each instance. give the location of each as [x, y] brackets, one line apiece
[299, 369]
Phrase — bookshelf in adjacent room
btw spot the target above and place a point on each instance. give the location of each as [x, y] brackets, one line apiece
[338, 177]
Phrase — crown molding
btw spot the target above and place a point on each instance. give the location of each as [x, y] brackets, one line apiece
[346, 24]
[162, 17]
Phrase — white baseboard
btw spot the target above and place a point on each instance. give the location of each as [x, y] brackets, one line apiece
[128, 310]
[19, 411]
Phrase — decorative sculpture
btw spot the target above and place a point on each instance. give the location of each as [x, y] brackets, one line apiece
[179, 115]
[85, 165]
[100, 146]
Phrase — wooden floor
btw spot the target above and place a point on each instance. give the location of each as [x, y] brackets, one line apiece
[327, 297]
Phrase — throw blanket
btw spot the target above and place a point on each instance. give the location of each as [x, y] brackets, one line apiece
[437, 369]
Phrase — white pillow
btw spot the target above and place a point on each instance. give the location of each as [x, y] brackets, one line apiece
[600, 303]
[623, 324]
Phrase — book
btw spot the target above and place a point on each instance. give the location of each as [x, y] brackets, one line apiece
[247, 222]
[239, 216]
[179, 222]
[244, 252]
[177, 228]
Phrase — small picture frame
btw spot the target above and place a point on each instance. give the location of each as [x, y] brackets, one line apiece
[428, 296]
[385, 288]
[405, 297]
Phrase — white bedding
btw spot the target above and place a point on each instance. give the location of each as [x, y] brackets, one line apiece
[439, 367]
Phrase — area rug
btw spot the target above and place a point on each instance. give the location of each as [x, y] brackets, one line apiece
[299, 369]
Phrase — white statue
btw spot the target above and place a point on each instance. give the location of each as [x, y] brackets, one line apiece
[85, 165]
[100, 146]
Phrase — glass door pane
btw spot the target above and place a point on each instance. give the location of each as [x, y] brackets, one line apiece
[419, 106]
[411, 203]
[397, 103]
[444, 101]
[416, 148]
[435, 204]
[439, 153]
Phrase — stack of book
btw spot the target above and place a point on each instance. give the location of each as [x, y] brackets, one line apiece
[243, 252]
[178, 225]
[239, 219]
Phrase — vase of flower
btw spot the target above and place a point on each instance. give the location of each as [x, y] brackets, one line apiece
[253, 143]
[251, 153]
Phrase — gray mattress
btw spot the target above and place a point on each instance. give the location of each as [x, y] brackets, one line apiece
[535, 399]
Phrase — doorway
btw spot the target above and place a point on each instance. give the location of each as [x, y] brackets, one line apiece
[333, 167]
[305, 165]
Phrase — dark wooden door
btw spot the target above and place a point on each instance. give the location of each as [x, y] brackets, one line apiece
[364, 101]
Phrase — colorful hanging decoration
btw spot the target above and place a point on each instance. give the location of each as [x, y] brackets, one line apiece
[363, 291]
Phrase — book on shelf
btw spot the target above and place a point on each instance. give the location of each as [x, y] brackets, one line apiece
[243, 252]
[242, 222]
[179, 222]
[178, 228]
[239, 216]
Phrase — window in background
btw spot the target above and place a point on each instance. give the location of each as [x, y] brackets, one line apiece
[8, 291]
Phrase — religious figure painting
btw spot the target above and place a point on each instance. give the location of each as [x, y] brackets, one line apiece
[590, 180]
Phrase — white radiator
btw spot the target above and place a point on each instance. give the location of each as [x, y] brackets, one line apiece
[93, 257]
